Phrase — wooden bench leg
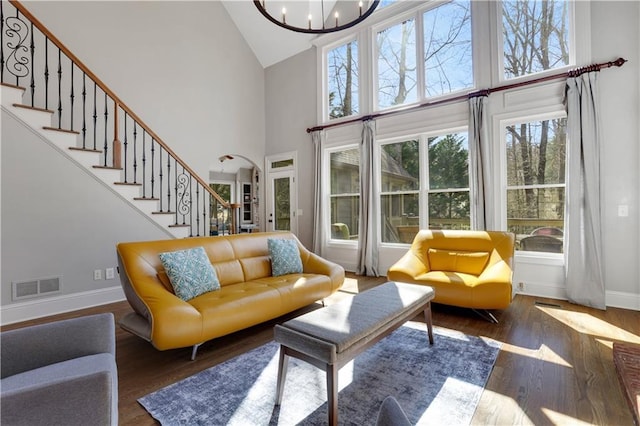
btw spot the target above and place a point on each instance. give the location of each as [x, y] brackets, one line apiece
[429, 321]
[282, 374]
[332, 394]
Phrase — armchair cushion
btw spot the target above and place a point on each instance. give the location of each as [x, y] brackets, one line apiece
[467, 262]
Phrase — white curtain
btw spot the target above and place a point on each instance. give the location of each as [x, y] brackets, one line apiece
[317, 138]
[480, 164]
[367, 235]
[583, 239]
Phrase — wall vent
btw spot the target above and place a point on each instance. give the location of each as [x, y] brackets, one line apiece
[35, 288]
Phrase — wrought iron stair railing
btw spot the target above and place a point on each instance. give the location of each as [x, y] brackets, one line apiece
[55, 80]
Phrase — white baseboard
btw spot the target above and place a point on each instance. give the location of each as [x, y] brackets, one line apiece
[614, 299]
[23, 311]
[618, 299]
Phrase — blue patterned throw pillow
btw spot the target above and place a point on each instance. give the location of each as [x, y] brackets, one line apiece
[190, 272]
[285, 257]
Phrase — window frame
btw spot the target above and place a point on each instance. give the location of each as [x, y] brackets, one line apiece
[324, 81]
[553, 113]
[424, 190]
[329, 196]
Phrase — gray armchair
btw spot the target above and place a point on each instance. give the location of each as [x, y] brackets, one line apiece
[60, 373]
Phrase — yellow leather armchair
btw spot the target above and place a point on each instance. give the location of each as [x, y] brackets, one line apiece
[469, 269]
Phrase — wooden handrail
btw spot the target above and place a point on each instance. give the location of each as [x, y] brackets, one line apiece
[115, 98]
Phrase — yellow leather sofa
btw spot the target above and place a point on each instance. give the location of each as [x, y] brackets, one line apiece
[469, 269]
[248, 293]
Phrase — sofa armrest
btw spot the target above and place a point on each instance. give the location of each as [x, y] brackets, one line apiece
[314, 264]
[499, 272]
[54, 342]
[408, 267]
[172, 320]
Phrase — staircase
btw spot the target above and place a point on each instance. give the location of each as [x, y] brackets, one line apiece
[51, 91]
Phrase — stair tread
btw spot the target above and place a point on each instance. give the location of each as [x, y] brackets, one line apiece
[146, 199]
[107, 167]
[33, 108]
[163, 212]
[56, 129]
[128, 183]
[179, 226]
[75, 148]
[13, 86]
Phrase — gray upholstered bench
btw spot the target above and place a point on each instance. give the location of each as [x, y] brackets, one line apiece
[330, 337]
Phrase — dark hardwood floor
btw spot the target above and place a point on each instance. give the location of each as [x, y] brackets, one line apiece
[555, 366]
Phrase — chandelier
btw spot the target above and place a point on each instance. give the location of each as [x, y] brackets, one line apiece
[313, 16]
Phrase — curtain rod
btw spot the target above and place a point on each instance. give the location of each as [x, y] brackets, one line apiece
[484, 92]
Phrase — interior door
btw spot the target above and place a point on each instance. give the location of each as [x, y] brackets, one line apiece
[281, 215]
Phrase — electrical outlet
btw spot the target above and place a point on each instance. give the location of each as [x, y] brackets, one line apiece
[109, 273]
[521, 286]
[97, 275]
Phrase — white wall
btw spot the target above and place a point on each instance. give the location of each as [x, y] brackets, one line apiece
[58, 221]
[184, 68]
[614, 32]
[290, 109]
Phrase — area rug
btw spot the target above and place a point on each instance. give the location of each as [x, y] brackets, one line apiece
[439, 384]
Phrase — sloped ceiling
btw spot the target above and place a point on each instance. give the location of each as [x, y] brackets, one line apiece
[270, 43]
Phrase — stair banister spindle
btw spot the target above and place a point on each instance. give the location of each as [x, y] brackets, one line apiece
[168, 182]
[106, 121]
[135, 153]
[59, 89]
[33, 80]
[125, 148]
[144, 164]
[46, 73]
[160, 176]
[153, 179]
[95, 117]
[116, 146]
[71, 99]
[84, 110]
[1, 41]
[197, 210]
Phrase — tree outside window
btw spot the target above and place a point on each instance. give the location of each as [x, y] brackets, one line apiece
[448, 62]
[536, 168]
[449, 204]
[397, 71]
[447, 186]
[342, 80]
[535, 36]
[345, 193]
[400, 191]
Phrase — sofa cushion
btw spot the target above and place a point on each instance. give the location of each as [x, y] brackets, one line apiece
[190, 272]
[285, 256]
[467, 262]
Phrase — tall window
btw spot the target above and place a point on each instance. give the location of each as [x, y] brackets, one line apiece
[342, 80]
[449, 204]
[448, 63]
[397, 72]
[535, 36]
[345, 193]
[400, 191]
[535, 158]
[446, 187]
